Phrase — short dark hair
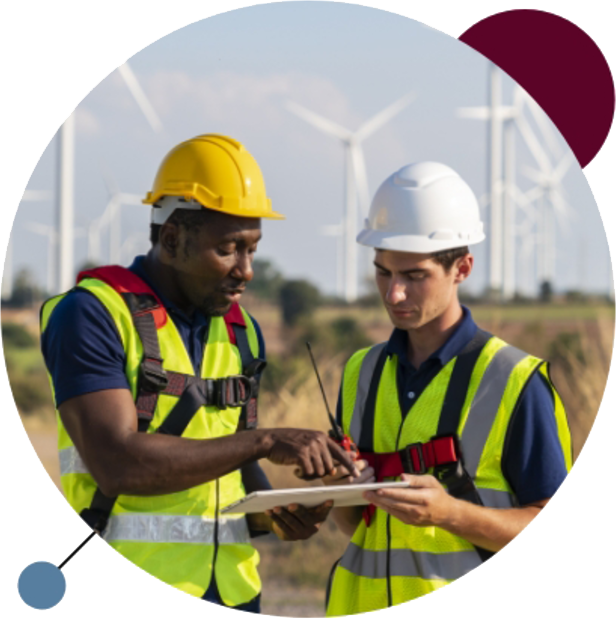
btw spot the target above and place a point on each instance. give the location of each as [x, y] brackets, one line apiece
[447, 257]
[184, 218]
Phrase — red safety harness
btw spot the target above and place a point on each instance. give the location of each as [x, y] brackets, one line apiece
[442, 454]
[148, 315]
[415, 459]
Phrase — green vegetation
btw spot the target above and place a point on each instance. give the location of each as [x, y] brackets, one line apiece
[298, 299]
[26, 370]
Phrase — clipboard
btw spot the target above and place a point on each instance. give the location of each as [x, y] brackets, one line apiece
[343, 496]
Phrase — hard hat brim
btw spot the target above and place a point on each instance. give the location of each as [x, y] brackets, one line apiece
[413, 243]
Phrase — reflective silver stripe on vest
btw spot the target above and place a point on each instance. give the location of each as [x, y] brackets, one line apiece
[404, 562]
[166, 528]
[363, 386]
[486, 403]
[499, 499]
[71, 462]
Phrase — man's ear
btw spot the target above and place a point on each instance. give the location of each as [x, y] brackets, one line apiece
[169, 239]
[463, 267]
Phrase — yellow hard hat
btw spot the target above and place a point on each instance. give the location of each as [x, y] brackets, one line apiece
[218, 173]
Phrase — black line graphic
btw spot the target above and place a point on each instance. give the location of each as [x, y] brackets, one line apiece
[76, 550]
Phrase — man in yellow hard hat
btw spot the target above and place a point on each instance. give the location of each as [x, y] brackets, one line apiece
[155, 371]
[474, 425]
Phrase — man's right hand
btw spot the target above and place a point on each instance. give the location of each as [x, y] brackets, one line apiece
[314, 452]
[340, 477]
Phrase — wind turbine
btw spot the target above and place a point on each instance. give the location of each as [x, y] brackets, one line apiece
[52, 237]
[356, 180]
[504, 193]
[66, 177]
[501, 118]
[551, 207]
[112, 216]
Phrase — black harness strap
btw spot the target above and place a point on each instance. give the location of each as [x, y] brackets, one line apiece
[193, 392]
[454, 476]
[152, 377]
[252, 368]
[366, 436]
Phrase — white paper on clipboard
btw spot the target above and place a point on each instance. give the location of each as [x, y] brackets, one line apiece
[342, 496]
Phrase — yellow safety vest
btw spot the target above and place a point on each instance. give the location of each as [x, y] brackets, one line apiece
[180, 538]
[390, 562]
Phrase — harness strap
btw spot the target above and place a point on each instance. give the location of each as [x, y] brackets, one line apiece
[251, 368]
[443, 452]
[149, 315]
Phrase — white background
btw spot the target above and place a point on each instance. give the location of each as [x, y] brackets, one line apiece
[562, 565]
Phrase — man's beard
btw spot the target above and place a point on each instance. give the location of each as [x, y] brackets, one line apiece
[211, 309]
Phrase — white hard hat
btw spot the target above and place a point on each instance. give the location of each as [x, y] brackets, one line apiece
[423, 208]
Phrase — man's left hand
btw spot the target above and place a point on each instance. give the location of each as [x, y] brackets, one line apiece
[297, 522]
[426, 503]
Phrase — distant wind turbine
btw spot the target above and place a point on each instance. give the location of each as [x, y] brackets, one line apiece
[66, 177]
[356, 180]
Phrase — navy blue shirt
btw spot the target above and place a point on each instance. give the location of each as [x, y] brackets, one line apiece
[83, 350]
[533, 461]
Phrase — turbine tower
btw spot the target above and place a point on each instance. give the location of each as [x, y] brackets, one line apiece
[357, 194]
[65, 216]
[498, 116]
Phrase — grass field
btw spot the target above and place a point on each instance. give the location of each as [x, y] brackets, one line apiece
[576, 339]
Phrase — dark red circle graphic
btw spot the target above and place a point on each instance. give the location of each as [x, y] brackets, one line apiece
[559, 65]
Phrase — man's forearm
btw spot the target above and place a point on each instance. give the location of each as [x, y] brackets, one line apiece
[486, 527]
[153, 464]
[425, 503]
[103, 427]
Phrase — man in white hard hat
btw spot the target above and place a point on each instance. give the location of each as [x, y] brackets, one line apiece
[473, 425]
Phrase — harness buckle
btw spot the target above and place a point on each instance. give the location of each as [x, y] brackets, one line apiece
[233, 391]
[408, 462]
[152, 376]
[95, 519]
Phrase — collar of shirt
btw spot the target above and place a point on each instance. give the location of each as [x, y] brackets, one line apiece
[463, 334]
[198, 319]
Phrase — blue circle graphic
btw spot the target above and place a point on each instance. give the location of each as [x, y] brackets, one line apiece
[41, 585]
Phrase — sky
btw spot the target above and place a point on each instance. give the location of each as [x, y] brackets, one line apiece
[233, 73]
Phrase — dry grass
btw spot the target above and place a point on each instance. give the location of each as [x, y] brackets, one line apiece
[580, 373]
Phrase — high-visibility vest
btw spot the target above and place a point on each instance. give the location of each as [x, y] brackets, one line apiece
[390, 562]
[180, 538]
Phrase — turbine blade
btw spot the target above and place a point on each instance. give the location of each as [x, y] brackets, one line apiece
[474, 113]
[534, 175]
[361, 179]
[130, 199]
[503, 112]
[35, 195]
[38, 228]
[563, 167]
[534, 193]
[545, 126]
[384, 116]
[533, 144]
[110, 183]
[332, 230]
[327, 126]
[140, 97]
[561, 206]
